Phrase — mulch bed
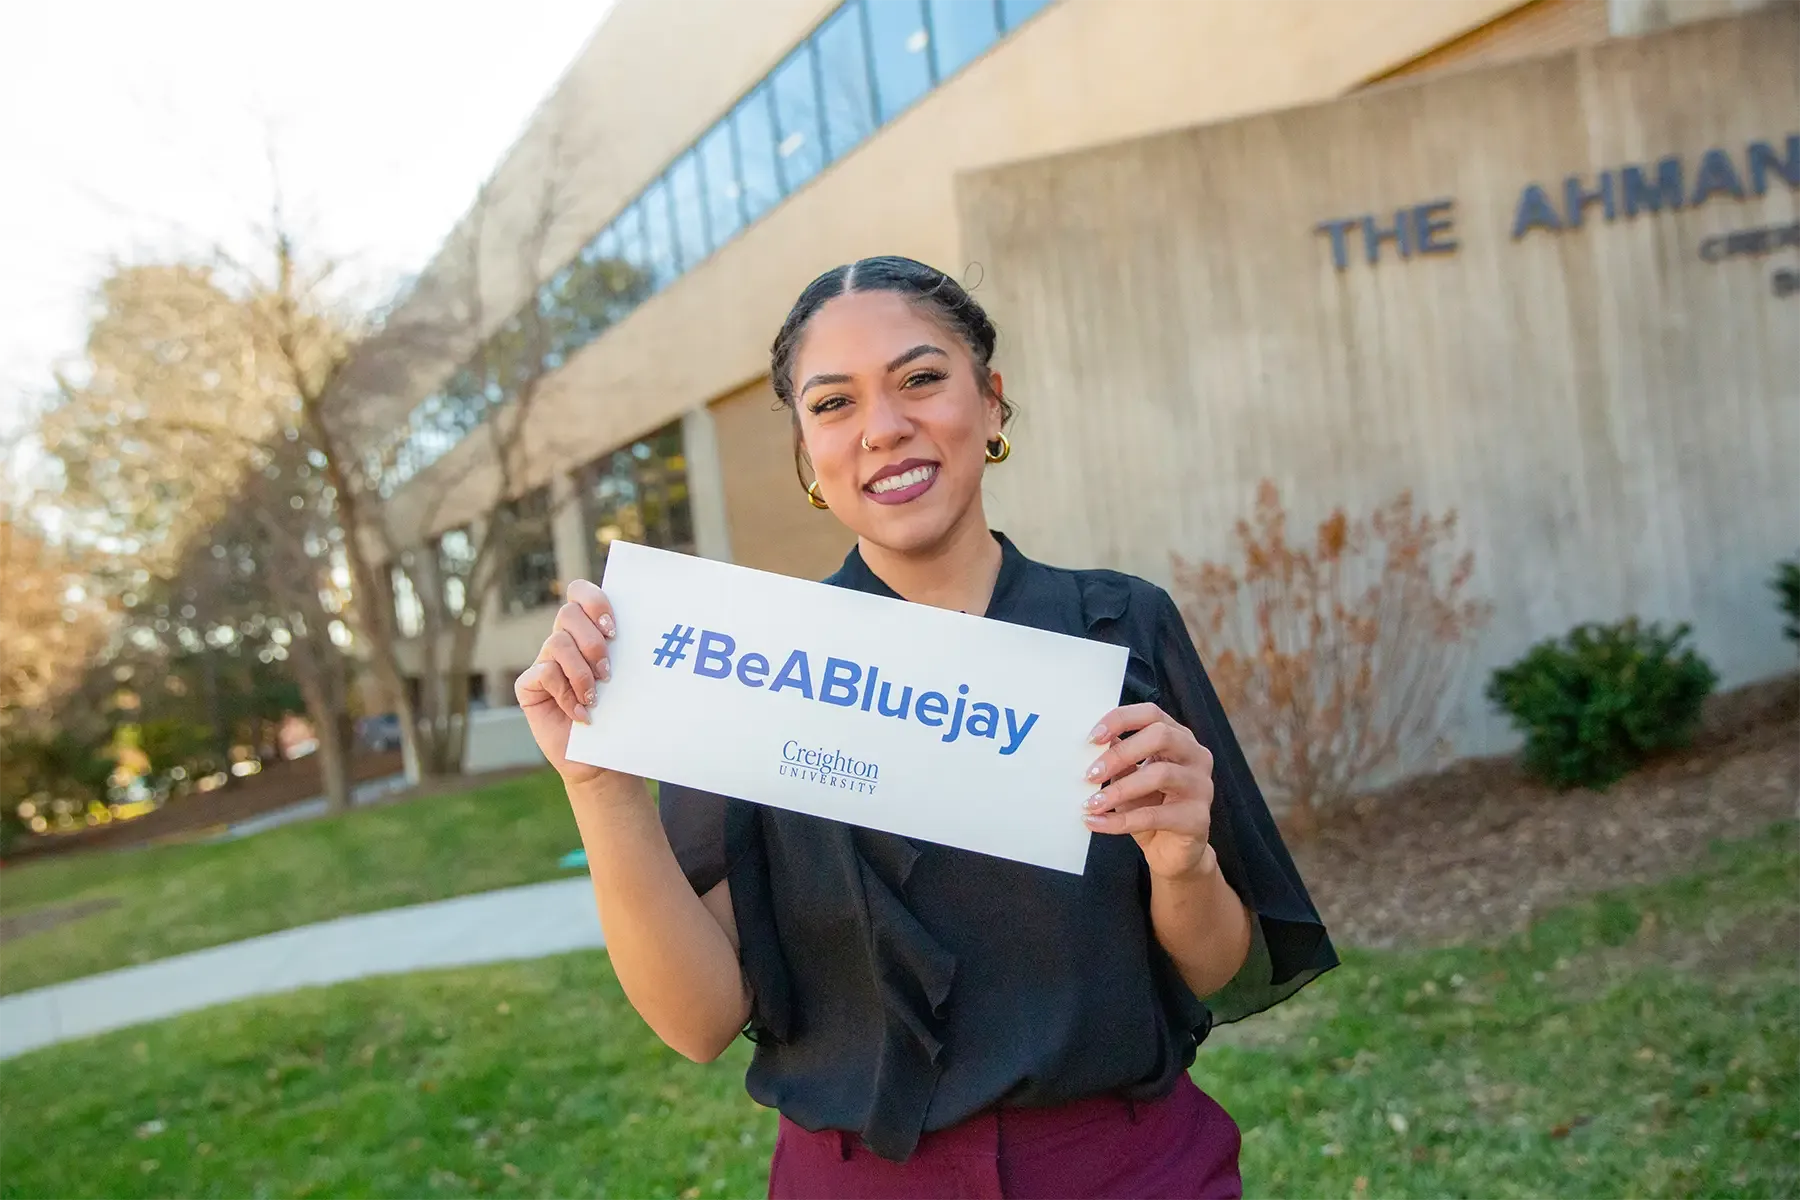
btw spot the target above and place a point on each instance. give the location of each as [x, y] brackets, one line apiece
[1479, 849]
[277, 786]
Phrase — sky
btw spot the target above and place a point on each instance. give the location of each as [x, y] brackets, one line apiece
[132, 130]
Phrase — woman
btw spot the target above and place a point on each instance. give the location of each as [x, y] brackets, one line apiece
[932, 1021]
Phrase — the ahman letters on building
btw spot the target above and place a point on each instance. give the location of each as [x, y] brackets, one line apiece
[1670, 184]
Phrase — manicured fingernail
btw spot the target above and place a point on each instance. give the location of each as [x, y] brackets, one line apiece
[1095, 819]
[1095, 801]
[1099, 734]
[591, 696]
[604, 670]
[606, 624]
[1095, 771]
[581, 714]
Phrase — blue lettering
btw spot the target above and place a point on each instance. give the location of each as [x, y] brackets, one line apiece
[984, 720]
[881, 705]
[1015, 732]
[713, 659]
[839, 683]
[1717, 174]
[1426, 227]
[869, 688]
[956, 718]
[795, 673]
[1535, 212]
[752, 669]
[1763, 159]
[931, 708]
[1337, 229]
[1578, 198]
[1374, 235]
[1641, 197]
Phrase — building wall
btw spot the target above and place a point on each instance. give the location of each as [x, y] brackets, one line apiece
[1615, 419]
[1081, 73]
[1540, 27]
[773, 528]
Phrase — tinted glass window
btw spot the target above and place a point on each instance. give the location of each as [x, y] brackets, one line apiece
[802, 147]
[756, 153]
[718, 163]
[409, 611]
[690, 218]
[1014, 11]
[902, 53]
[959, 31]
[456, 558]
[530, 580]
[659, 234]
[844, 75]
[630, 228]
[638, 494]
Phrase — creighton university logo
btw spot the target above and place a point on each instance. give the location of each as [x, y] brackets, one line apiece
[828, 768]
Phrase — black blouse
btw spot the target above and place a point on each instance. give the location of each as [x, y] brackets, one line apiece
[901, 986]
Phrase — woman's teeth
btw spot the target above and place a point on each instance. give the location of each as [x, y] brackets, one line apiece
[905, 479]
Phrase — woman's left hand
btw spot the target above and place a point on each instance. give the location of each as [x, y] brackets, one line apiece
[1158, 788]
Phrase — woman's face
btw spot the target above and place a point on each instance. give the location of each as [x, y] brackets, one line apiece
[894, 418]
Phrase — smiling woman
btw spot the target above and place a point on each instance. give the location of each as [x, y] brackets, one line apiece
[930, 1020]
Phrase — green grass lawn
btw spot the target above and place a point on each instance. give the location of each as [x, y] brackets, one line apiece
[1642, 1044]
[184, 897]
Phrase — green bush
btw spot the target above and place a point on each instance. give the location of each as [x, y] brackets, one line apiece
[1787, 592]
[1597, 702]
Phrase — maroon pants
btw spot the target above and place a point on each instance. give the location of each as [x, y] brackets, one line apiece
[1183, 1145]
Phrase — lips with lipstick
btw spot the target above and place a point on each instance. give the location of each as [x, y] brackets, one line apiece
[900, 482]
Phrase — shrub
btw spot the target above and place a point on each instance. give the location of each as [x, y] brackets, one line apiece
[1787, 594]
[1601, 700]
[1334, 656]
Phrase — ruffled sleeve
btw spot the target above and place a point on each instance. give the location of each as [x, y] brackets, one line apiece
[1290, 947]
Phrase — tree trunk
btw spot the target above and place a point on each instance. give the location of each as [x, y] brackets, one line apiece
[329, 727]
[334, 763]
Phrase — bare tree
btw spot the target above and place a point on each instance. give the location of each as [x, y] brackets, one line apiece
[489, 399]
[197, 370]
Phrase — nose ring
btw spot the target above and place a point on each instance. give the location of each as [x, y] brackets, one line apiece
[865, 443]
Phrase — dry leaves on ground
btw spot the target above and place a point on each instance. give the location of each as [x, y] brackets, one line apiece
[1480, 848]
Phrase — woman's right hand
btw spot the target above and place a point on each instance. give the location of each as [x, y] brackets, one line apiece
[560, 687]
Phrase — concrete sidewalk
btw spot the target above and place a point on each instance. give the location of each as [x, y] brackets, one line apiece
[512, 923]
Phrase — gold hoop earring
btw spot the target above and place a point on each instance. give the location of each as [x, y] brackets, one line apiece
[812, 495]
[1000, 455]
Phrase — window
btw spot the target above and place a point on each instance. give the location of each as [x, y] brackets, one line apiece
[409, 612]
[844, 79]
[899, 42]
[456, 558]
[756, 154]
[866, 63]
[659, 235]
[960, 31]
[638, 494]
[530, 580]
[630, 227]
[1015, 12]
[801, 149]
[690, 216]
[718, 163]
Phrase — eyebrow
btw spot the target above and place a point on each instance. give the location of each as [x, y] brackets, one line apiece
[919, 351]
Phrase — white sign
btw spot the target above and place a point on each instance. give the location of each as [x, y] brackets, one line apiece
[863, 709]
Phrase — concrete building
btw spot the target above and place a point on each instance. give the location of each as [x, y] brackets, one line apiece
[1150, 191]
